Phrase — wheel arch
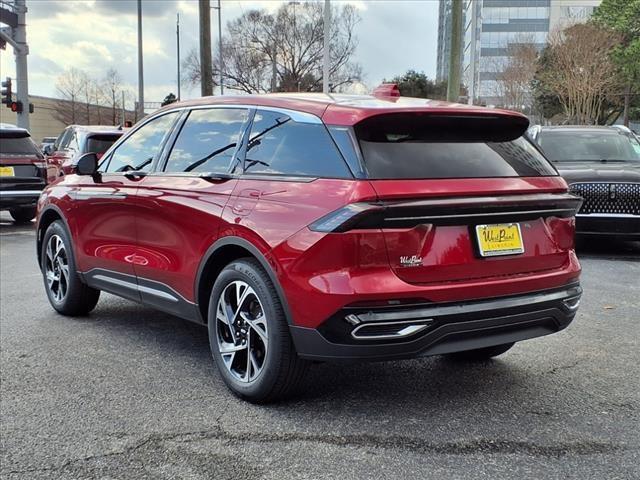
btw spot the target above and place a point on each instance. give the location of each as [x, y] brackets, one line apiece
[219, 255]
[49, 214]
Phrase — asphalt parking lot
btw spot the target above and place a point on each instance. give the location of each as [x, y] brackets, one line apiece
[129, 393]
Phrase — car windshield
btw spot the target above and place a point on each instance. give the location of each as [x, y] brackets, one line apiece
[575, 146]
[17, 144]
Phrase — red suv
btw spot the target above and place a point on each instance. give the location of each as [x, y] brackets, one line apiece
[312, 227]
[75, 141]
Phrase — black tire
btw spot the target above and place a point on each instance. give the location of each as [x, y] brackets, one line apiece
[282, 370]
[79, 298]
[23, 214]
[481, 354]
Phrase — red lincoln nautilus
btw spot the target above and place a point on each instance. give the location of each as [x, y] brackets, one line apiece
[303, 227]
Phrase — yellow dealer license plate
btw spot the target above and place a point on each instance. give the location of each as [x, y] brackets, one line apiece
[7, 172]
[499, 239]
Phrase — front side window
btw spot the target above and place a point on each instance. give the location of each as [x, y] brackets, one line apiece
[138, 151]
[280, 146]
[208, 140]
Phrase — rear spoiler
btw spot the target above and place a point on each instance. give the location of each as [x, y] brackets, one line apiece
[443, 126]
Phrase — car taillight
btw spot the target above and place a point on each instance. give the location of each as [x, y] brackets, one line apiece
[346, 218]
[447, 211]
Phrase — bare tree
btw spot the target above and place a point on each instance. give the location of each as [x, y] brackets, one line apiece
[70, 88]
[87, 95]
[265, 52]
[580, 71]
[98, 99]
[514, 79]
[112, 89]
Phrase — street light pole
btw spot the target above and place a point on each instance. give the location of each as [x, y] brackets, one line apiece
[326, 40]
[220, 61]
[21, 52]
[178, 51]
[140, 65]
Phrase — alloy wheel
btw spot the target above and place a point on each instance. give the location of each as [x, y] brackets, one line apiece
[241, 331]
[57, 268]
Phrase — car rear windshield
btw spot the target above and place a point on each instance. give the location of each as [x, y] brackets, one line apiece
[17, 144]
[416, 146]
[100, 143]
[572, 146]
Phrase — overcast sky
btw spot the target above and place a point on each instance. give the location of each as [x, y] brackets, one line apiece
[94, 35]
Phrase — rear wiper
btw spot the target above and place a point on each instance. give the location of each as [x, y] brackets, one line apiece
[611, 160]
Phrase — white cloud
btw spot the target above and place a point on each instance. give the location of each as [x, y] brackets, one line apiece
[95, 35]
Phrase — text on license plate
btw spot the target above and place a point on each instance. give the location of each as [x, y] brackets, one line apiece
[499, 239]
[7, 172]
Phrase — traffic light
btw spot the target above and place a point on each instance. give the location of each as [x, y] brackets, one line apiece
[7, 94]
[16, 107]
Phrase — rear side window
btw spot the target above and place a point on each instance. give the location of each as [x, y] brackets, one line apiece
[17, 144]
[100, 143]
[280, 146]
[207, 140]
[406, 146]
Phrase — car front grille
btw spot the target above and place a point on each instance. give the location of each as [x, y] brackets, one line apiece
[608, 198]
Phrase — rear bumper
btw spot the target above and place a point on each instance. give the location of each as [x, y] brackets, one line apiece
[445, 328]
[19, 198]
[608, 224]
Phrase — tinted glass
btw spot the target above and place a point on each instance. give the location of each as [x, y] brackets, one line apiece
[207, 140]
[100, 143]
[433, 147]
[572, 146]
[10, 144]
[63, 140]
[278, 145]
[141, 147]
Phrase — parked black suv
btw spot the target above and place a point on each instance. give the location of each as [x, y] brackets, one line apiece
[602, 165]
[22, 173]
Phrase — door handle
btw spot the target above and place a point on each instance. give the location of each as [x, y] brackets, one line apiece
[135, 175]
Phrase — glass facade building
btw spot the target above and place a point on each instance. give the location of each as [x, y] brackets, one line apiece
[492, 26]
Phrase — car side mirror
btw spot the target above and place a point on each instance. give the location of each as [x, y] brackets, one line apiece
[48, 149]
[87, 164]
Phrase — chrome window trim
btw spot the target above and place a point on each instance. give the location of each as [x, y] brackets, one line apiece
[607, 215]
[295, 115]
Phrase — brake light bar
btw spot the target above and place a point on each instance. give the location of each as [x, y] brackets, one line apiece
[448, 211]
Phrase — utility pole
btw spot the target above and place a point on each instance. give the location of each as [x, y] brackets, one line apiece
[326, 40]
[178, 50]
[453, 82]
[220, 61]
[206, 73]
[473, 50]
[140, 105]
[124, 117]
[16, 35]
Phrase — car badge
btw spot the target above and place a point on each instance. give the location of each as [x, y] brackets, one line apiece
[412, 261]
[612, 192]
